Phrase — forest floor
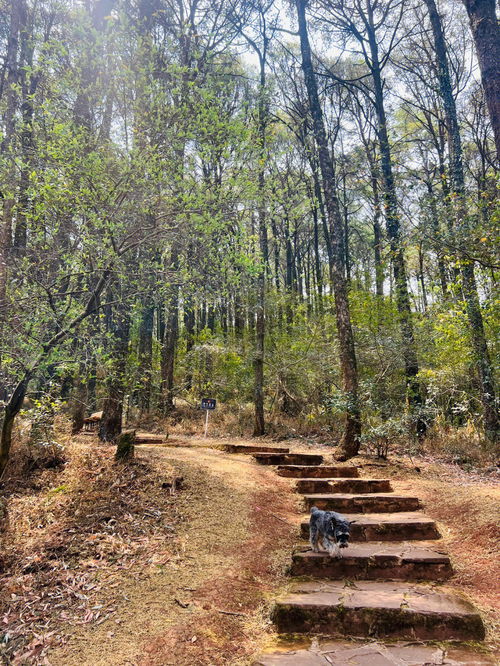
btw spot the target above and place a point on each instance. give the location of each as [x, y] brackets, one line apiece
[103, 564]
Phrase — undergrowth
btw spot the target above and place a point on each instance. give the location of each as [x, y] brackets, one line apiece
[63, 542]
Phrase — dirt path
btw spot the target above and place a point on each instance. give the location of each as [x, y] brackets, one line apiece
[207, 604]
[106, 567]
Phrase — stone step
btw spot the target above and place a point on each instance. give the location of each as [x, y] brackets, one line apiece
[371, 561]
[244, 448]
[343, 486]
[386, 527]
[149, 438]
[317, 471]
[288, 458]
[373, 503]
[377, 609]
[373, 653]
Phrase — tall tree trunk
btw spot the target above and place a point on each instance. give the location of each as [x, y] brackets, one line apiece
[260, 314]
[436, 234]
[413, 390]
[327, 232]
[7, 189]
[350, 440]
[473, 308]
[29, 83]
[317, 260]
[110, 425]
[170, 340]
[421, 276]
[189, 329]
[377, 232]
[145, 353]
[78, 400]
[486, 32]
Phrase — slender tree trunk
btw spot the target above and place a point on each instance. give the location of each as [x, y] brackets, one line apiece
[473, 308]
[12, 409]
[377, 232]
[170, 339]
[486, 32]
[421, 277]
[436, 233]
[78, 401]
[327, 232]
[189, 328]
[413, 390]
[29, 82]
[239, 316]
[260, 315]
[350, 440]
[7, 189]
[145, 354]
[317, 260]
[110, 425]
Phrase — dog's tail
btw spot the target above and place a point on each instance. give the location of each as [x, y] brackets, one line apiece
[314, 509]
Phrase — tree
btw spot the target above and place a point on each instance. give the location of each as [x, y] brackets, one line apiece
[350, 440]
[473, 308]
[362, 23]
[486, 32]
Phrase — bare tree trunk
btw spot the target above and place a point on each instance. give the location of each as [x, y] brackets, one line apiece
[413, 390]
[189, 328]
[78, 401]
[170, 340]
[486, 32]
[317, 261]
[350, 440]
[260, 314]
[7, 189]
[421, 276]
[436, 234]
[110, 425]
[473, 308]
[145, 353]
[377, 232]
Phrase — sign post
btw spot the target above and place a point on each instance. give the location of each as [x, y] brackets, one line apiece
[207, 404]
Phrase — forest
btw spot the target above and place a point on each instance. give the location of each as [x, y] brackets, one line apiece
[288, 206]
[293, 207]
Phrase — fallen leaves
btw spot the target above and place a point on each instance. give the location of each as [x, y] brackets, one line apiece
[109, 519]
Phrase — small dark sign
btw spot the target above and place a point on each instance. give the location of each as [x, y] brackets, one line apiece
[208, 403]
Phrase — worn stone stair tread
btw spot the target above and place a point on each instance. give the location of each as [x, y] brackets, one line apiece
[401, 526]
[288, 458]
[148, 437]
[373, 608]
[372, 560]
[373, 653]
[245, 448]
[362, 502]
[317, 471]
[343, 485]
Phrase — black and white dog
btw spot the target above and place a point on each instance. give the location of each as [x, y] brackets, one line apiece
[331, 528]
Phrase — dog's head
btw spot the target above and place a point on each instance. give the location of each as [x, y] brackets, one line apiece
[341, 531]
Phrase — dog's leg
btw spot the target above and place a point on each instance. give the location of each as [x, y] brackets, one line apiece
[335, 551]
[313, 539]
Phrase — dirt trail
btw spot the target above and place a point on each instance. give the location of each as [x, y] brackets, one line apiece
[207, 604]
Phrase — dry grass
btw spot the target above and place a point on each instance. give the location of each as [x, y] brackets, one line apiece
[111, 569]
[65, 540]
[103, 566]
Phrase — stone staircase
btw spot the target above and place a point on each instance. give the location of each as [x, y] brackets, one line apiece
[386, 585]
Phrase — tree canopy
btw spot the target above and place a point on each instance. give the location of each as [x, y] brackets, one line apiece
[287, 204]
